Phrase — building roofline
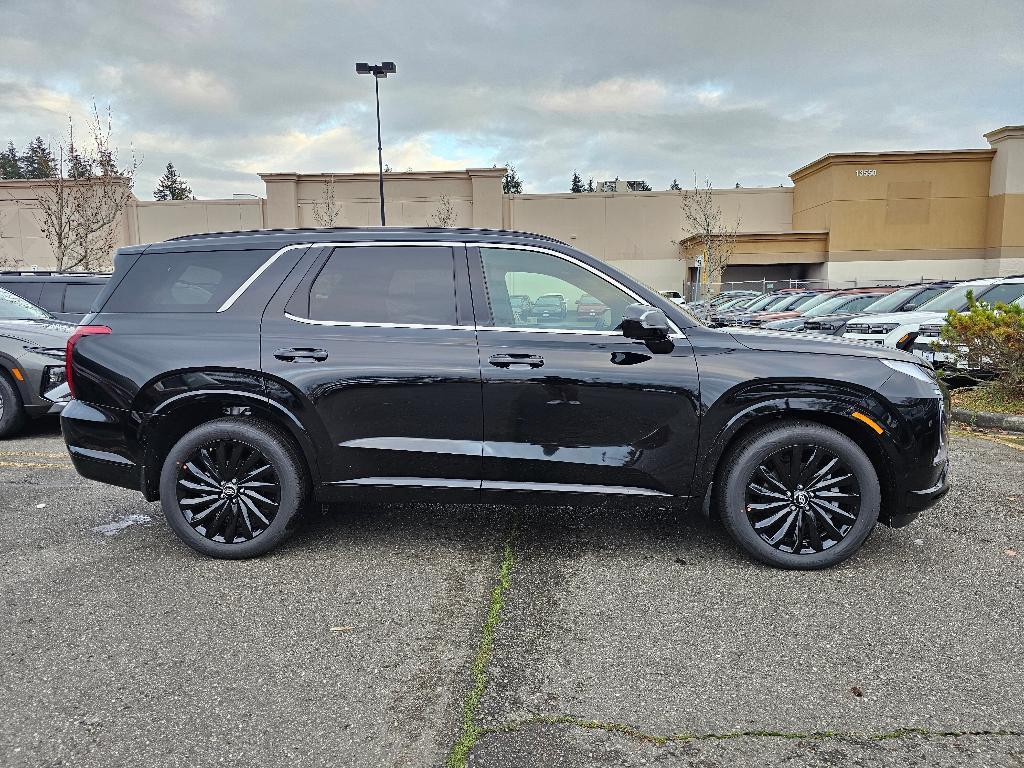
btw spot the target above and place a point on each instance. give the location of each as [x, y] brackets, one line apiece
[913, 156]
[1006, 132]
[463, 174]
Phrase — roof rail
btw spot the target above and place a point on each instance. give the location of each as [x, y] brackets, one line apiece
[50, 273]
[348, 230]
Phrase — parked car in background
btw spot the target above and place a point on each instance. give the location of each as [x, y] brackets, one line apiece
[550, 306]
[32, 372]
[720, 317]
[841, 301]
[905, 299]
[375, 365]
[724, 297]
[521, 304]
[900, 330]
[929, 344]
[587, 307]
[793, 301]
[65, 295]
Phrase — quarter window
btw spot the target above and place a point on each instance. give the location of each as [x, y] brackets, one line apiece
[401, 285]
[529, 289]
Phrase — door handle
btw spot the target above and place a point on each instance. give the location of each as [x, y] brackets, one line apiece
[507, 361]
[301, 353]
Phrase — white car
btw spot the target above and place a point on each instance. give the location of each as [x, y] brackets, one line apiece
[929, 337]
[901, 329]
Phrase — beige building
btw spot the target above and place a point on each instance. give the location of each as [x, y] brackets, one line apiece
[857, 218]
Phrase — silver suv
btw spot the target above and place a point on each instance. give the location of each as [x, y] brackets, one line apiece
[33, 382]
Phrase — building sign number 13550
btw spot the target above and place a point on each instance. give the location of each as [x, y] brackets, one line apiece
[867, 172]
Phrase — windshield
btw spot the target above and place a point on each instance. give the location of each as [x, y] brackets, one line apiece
[549, 300]
[954, 298]
[763, 301]
[1005, 293]
[893, 301]
[827, 307]
[14, 307]
[812, 301]
[785, 302]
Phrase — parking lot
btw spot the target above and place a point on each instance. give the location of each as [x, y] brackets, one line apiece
[394, 636]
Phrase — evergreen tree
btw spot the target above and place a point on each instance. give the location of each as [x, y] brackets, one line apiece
[674, 186]
[643, 186]
[577, 184]
[37, 162]
[590, 184]
[10, 164]
[171, 186]
[78, 167]
[512, 184]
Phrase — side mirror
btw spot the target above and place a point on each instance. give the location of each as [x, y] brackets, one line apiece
[645, 323]
[909, 307]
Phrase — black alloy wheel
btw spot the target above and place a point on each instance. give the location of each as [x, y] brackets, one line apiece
[232, 487]
[228, 491]
[802, 499]
[798, 495]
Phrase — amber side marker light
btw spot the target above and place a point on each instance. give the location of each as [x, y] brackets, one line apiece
[867, 420]
[17, 374]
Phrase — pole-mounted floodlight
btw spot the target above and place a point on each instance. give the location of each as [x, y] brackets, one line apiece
[379, 72]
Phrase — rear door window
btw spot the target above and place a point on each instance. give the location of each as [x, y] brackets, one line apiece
[402, 285]
[198, 281]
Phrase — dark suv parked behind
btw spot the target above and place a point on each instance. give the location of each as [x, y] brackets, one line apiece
[65, 295]
[237, 377]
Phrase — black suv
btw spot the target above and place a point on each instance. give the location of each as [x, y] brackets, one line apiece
[239, 377]
[65, 295]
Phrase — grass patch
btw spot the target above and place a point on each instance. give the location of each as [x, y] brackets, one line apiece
[471, 731]
[987, 399]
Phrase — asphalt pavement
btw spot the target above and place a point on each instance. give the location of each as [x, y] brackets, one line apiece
[498, 636]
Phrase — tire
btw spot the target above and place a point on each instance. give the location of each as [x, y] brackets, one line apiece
[12, 413]
[232, 488]
[814, 520]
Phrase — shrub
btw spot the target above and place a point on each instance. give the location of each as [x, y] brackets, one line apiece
[989, 339]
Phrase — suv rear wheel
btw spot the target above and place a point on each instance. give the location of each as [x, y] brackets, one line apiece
[230, 488]
[799, 495]
[12, 416]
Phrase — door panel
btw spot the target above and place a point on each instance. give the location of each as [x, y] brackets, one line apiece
[399, 401]
[579, 408]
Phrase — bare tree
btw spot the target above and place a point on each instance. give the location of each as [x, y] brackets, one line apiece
[704, 219]
[327, 210]
[81, 207]
[445, 214]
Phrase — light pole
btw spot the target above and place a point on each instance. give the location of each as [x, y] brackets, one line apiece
[379, 72]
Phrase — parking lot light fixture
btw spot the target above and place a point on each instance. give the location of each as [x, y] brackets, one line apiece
[379, 72]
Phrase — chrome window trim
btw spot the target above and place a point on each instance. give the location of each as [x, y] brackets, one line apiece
[677, 333]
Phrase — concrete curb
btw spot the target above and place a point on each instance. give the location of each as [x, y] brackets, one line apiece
[1002, 421]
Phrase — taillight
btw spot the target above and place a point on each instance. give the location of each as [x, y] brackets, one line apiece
[83, 330]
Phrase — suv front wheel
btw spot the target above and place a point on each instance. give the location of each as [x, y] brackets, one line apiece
[230, 488]
[12, 416]
[799, 495]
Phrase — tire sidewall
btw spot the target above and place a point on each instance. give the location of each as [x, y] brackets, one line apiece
[13, 415]
[277, 451]
[745, 461]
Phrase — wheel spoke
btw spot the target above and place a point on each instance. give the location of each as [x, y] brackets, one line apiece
[768, 505]
[258, 496]
[795, 459]
[199, 486]
[772, 478]
[202, 475]
[811, 465]
[198, 500]
[829, 525]
[813, 535]
[762, 491]
[200, 516]
[254, 509]
[829, 481]
[210, 465]
[821, 473]
[781, 533]
[821, 503]
[773, 519]
[232, 523]
[255, 473]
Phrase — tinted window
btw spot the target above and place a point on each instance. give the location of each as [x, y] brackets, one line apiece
[404, 285]
[183, 282]
[27, 291]
[79, 298]
[1007, 293]
[557, 284]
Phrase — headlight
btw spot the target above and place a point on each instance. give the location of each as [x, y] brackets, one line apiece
[910, 369]
[53, 376]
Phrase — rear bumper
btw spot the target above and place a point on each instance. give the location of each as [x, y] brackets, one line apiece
[96, 440]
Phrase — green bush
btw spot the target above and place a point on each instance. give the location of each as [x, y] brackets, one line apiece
[989, 339]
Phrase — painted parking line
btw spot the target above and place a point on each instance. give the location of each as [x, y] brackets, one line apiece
[36, 454]
[34, 465]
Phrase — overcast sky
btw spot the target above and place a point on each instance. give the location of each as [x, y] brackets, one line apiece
[735, 91]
